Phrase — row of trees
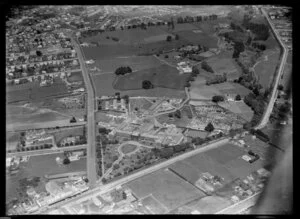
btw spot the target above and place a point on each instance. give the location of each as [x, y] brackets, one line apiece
[217, 79]
[259, 46]
[38, 147]
[123, 70]
[190, 19]
[218, 98]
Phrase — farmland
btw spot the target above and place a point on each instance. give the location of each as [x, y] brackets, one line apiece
[198, 38]
[167, 188]
[265, 69]
[161, 76]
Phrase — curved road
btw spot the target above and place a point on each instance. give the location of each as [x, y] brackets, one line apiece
[270, 106]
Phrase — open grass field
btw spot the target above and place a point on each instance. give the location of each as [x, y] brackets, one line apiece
[136, 63]
[61, 134]
[129, 37]
[266, 68]
[75, 76]
[224, 65]
[231, 88]
[153, 205]
[209, 204]
[128, 148]
[103, 84]
[100, 116]
[199, 38]
[239, 108]
[161, 76]
[20, 114]
[167, 188]
[32, 91]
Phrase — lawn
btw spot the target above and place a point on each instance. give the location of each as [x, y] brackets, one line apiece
[128, 148]
[166, 187]
[161, 76]
[266, 68]
[75, 76]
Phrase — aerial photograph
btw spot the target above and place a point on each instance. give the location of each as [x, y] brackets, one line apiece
[149, 109]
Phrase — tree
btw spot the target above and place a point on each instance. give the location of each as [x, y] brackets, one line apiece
[209, 127]
[198, 141]
[39, 53]
[206, 67]
[280, 87]
[176, 37]
[217, 98]
[147, 84]
[116, 166]
[169, 38]
[126, 98]
[66, 161]
[73, 120]
[238, 97]
[177, 114]
[123, 70]
[166, 56]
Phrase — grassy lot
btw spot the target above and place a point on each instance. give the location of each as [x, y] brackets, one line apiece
[182, 122]
[239, 108]
[231, 88]
[61, 134]
[167, 188]
[161, 76]
[32, 91]
[266, 68]
[224, 65]
[140, 103]
[128, 148]
[75, 76]
[19, 114]
[135, 62]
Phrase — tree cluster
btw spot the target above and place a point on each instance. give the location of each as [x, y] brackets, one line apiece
[238, 48]
[168, 152]
[261, 31]
[146, 84]
[190, 19]
[217, 98]
[209, 127]
[206, 67]
[198, 141]
[123, 70]
[217, 79]
[259, 46]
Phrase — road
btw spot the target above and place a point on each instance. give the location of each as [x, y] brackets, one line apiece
[273, 98]
[240, 206]
[91, 125]
[46, 151]
[105, 188]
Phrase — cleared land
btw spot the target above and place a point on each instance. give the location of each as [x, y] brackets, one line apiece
[161, 76]
[167, 188]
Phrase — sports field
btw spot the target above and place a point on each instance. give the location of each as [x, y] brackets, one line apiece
[161, 76]
[167, 188]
